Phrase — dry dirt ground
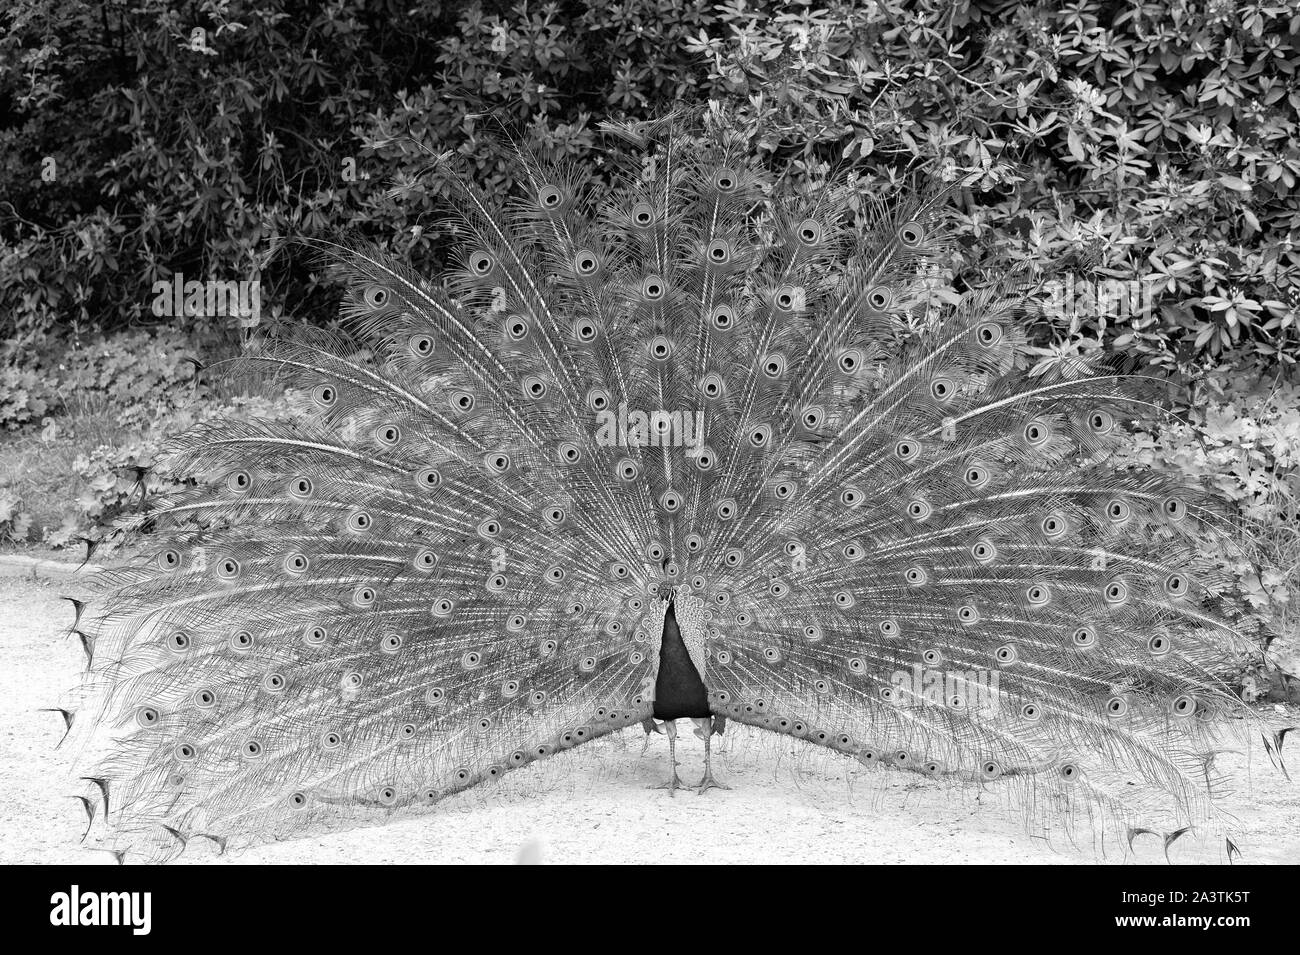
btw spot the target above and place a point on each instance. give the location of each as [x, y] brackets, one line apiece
[790, 803]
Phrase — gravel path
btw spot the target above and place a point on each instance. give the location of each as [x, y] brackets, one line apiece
[789, 803]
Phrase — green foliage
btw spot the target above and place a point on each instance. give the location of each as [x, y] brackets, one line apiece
[24, 397]
[15, 523]
[139, 375]
[1164, 135]
[120, 480]
[1241, 437]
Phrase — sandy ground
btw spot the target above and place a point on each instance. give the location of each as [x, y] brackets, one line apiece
[790, 802]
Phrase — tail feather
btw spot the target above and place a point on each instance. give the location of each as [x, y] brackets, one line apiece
[882, 535]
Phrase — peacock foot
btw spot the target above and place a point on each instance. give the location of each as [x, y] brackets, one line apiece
[708, 782]
[672, 785]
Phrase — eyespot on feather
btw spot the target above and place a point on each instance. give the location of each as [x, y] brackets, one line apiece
[943, 388]
[786, 298]
[880, 298]
[549, 197]
[809, 232]
[907, 449]
[1101, 421]
[643, 215]
[420, 346]
[324, 396]
[988, 334]
[1037, 432]
[919, 510]
[533, 387]
[911, 234]
[1084, 638]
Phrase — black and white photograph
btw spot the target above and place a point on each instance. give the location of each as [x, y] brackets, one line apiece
[601, 432]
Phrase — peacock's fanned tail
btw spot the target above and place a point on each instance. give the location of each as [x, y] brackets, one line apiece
[882, 535]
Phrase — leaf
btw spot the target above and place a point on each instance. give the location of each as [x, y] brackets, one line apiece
[1075, 146]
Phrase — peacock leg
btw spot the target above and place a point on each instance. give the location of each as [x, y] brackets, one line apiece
[670, 727]
[648, 724]
[707, 727]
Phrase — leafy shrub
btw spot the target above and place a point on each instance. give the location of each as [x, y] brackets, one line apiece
[24, 398]
[1163, 134]
[121, 482]
[138, 374]
[1242, 437]
[14, 521]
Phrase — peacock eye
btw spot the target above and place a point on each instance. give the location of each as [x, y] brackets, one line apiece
[851, 360]
[533, 387]
[809, 232]
[718, 252]
[911, 234]
[549, 197]
[880, 298]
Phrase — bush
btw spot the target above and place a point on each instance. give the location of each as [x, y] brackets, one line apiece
[1243, 439]
[140, 375]
[186, 141]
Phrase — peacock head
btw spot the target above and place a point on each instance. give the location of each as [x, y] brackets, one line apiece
[664, 589]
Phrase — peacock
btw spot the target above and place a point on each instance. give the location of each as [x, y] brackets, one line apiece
[693, 445]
